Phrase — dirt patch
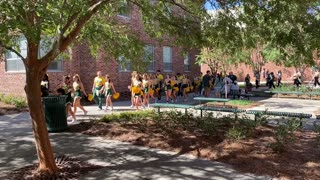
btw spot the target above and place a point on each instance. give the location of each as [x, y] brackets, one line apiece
[10, 109]
[300, 160]
[69, 168]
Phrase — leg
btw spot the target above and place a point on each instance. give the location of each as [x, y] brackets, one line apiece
[110, 102]
[81, 107]
[100, 101]
[75, 105]
[106, 103]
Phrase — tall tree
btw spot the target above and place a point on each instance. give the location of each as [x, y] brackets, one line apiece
[58, 24]
[289, 28]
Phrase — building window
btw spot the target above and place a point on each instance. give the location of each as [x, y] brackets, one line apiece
[149, 57]
[124, 64]
[186, 62]
[167, 59]
[13, 61]
[15, 64]
[124, 9]
[55, 65]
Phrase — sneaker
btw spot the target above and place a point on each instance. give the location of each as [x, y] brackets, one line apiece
[131, 106]
[100, 109]
[72, 120]
[85, 112]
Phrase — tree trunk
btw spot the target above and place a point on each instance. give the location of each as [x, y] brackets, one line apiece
[45, 155]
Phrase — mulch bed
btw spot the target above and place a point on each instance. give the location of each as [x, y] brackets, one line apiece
[10, 109]
[69, 168]
[300, 160]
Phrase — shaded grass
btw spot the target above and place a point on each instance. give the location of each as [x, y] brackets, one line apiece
[240, 102]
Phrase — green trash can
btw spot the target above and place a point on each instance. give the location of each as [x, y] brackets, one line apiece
[55, 112]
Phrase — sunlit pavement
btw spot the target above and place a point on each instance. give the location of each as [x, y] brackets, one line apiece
[123, 160]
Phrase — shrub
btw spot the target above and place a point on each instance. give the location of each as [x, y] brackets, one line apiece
[284, 134]
[241, 129]
[127, 116]
[316, 128]
[17, 101]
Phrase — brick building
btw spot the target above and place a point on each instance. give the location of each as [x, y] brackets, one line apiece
[166, 57]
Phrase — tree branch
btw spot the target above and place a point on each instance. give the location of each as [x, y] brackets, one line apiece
[62, 44]
[13, 50]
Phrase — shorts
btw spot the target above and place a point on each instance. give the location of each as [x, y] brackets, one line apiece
[108, 92]
[77, 94]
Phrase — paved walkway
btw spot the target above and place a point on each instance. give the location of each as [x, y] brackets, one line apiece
[122, 160]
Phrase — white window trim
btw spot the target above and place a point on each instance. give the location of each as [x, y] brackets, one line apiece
[189, 65]
[153, 60]
[166, 70]
[126, 16]
[18, 58]
[119, 65]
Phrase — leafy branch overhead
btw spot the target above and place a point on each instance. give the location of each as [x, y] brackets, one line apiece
[96, 22]
[288, 31]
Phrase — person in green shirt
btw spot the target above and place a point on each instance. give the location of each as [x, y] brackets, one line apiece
[160, 80]
[97, 89]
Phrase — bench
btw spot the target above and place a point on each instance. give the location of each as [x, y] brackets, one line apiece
[258, 113]
[219, 109]
[207, 99]
[166, 105]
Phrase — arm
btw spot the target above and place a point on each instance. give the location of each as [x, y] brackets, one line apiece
[82, 89]
[93, 87]
[103, 90]
[112, 86]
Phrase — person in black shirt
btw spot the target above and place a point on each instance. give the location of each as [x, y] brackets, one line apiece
[206, 84]
[232, 77]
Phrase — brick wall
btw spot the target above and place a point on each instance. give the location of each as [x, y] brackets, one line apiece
[82, 63]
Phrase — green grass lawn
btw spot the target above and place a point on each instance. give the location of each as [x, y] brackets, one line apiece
[240, 102]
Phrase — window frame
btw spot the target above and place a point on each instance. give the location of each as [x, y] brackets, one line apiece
[152, 63]
[186, 57]
[23, 51]
[128, 64]
[164, 59]
[125, 7]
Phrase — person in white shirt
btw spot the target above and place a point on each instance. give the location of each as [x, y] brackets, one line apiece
[227, 85]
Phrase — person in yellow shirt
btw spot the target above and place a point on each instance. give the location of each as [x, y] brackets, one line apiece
[160, 79]
[97, 89]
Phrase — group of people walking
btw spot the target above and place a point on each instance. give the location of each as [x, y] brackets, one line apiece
[145, 86]
[102, 88]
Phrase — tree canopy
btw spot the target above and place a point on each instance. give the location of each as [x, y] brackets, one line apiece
[287, 32]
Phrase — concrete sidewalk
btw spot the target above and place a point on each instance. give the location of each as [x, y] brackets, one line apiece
[121, 160]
